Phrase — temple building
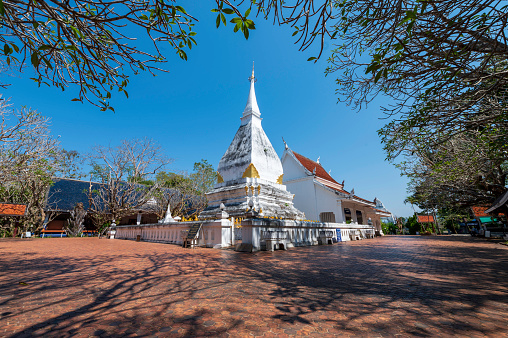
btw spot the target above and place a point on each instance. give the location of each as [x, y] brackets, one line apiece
[251, 209]
[250, 173]
[324, 199]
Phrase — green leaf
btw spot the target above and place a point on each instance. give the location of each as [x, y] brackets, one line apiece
[245, 31]
[126, 94]
[410, 26]
[372, 67]
[236, 20]
[247, 12]
[2, 9]
[228, 11]
[378, 76]
[15, 47]
[7, 49]
[180, 9]
[223, 19]
[250, 24]
[47, 63]
[312, 58]
[217, 21]
[35, 59]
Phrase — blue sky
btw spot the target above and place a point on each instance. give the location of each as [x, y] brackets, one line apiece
[194, 110]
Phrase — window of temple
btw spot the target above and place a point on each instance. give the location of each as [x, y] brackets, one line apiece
[347, 215]
[328, 217]
[359, 217]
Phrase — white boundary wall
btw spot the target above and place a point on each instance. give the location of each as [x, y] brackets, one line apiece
[217, 234]
[302, 233]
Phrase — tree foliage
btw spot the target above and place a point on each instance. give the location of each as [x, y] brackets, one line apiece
[185, 192]
[122, 172]
[91, 44]
[465, 170]
[28, 160]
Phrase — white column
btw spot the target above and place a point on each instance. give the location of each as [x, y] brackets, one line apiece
[138, 221]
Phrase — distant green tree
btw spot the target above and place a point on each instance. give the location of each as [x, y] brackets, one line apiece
[450, 217]
[412, 224]
[389, 228]
[204, 176]
[185, 192]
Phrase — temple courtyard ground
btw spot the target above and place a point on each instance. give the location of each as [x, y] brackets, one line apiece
[385, 287]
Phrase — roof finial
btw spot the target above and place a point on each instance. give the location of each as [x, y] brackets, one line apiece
[252, 78]
[318, 159]
[285, 144]
[252, 104]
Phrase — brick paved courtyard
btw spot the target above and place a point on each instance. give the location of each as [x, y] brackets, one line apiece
[405, 286]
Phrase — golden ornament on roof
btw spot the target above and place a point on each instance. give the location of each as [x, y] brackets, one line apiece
[251, 172]
[279, 180]
[219, 178]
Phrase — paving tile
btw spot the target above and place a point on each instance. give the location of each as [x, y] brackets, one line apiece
[391, 286]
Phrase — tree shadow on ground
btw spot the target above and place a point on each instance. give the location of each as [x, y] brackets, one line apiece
[413, 286]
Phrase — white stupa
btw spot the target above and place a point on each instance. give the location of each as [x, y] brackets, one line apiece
[250, 173]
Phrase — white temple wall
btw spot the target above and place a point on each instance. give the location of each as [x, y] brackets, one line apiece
[292, 170]
[305, 197]
[217, 233]
[300, 233]
[326, 201]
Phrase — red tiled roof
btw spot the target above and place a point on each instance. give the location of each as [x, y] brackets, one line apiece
[12, 209]
[310, 165]
[425, 219]
[321, 173]
[480, 211]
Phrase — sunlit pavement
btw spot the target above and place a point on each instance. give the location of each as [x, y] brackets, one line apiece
[404, 286]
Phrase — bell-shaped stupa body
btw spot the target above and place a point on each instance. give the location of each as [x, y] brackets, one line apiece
[250, 173]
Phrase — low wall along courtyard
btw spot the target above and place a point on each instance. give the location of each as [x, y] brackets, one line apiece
[257, 234]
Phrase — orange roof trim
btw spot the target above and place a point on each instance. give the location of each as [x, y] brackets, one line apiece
[425, 219]
[12, 209]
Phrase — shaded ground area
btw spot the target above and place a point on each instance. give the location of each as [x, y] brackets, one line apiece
[407, 286]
